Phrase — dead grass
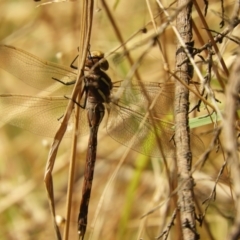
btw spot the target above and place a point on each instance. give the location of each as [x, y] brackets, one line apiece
[141, 184]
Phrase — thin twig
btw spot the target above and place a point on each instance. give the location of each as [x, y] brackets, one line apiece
[166, 232]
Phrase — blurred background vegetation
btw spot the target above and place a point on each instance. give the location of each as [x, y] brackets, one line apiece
[51, 32]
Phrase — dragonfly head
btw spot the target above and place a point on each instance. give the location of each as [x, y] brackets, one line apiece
[97, 57]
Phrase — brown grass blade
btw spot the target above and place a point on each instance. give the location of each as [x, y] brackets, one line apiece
[86, 13]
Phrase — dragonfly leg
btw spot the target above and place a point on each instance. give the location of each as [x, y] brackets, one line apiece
[65, 83]
[85, 99]
[72, 66]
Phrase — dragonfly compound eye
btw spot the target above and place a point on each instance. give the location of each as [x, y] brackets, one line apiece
[99, 56]
[104, 64]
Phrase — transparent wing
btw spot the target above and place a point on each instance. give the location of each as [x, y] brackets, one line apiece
[153, 136]
[39, 115]
[124, 127]
[35, 72]
[160, 96]
[141, 96]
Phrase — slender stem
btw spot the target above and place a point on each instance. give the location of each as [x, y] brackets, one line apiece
[182, 136]
[71, 174]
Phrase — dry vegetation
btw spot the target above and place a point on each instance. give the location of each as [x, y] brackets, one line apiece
[142, 185]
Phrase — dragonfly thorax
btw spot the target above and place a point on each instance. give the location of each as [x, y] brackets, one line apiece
[98, 86]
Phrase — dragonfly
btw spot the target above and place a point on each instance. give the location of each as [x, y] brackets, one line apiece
[130, 122]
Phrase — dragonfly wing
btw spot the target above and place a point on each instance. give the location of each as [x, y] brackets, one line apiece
[39, 115]
[140, 96]
[35, 72]
[151, 137]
